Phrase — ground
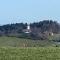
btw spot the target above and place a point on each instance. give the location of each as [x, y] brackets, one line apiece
[12, 48]
[30, 53]
[21, 42]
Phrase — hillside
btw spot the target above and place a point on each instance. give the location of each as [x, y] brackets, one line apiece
[39, 30]
[22, 42]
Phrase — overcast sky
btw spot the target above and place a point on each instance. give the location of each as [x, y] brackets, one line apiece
[15, 11]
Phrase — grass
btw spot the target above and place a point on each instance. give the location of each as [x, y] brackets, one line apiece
[32, 53]
[12, 48]
[21, 42]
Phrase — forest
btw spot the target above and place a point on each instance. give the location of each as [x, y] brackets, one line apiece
[39, 30]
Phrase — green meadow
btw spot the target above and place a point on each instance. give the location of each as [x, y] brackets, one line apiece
[22, 42]
[12, 48]
[30, 53]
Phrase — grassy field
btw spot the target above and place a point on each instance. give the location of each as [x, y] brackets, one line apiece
[21, 42]
[32, 53]
[12, 48]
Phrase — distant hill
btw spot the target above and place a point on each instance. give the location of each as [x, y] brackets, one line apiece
[45, 28]
[39, 30]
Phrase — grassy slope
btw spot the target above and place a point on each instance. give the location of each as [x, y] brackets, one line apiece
[12, 48]
[30, 53]
[19, 42]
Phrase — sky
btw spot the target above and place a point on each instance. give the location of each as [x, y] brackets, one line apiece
[17, 11]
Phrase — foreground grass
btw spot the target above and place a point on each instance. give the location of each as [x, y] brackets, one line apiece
[32, 53]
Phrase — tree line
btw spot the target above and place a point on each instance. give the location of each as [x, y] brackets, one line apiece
[38, 29]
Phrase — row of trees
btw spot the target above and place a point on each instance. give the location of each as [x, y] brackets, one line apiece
[37, 29]
[45, 28]
[12, 28]
[46, 25]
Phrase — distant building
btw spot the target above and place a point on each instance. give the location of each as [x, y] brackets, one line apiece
[49, 33]
[27, 30]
